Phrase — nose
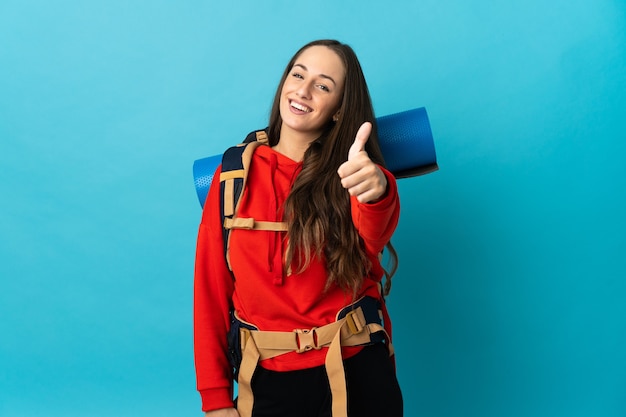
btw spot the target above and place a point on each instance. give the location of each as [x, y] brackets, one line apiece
[304, 90]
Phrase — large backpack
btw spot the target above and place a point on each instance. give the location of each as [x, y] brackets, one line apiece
[357, 324]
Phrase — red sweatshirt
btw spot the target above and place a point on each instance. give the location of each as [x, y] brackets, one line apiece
[261, 293]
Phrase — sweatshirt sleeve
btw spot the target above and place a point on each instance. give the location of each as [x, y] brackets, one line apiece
[213, 289]
[377, 221]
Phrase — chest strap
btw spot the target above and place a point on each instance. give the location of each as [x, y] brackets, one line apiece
[251, 224]
[351, 330]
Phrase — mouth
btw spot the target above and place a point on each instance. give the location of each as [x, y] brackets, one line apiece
[300, 107]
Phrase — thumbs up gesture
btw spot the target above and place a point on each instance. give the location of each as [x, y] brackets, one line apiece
[359, 175]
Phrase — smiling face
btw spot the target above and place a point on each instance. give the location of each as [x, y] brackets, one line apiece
[312, 92]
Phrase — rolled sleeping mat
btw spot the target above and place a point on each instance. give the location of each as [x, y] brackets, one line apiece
[405, 139]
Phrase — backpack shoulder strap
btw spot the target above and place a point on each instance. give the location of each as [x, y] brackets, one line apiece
[235, 166]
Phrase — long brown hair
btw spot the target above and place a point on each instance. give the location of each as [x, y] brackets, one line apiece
[318, 207]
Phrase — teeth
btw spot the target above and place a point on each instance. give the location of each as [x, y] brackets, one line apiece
[300, 107]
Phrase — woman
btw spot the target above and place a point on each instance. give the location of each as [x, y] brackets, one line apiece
[323, 177]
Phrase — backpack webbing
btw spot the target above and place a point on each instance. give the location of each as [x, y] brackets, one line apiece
[235, 166]
[234, 172]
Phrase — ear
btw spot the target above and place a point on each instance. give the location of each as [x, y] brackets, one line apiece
[336, 117]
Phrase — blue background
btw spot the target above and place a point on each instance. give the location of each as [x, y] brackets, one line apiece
[510, 297]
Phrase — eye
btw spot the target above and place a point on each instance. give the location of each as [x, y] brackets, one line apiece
[323, 87]
[297, 75]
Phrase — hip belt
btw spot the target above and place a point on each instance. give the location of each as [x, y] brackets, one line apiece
[358, 324]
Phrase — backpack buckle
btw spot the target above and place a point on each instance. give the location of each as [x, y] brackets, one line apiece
[306, 339]
[355, 321]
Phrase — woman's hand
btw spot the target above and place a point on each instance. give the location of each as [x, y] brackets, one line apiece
[222, 412]
[359, 175]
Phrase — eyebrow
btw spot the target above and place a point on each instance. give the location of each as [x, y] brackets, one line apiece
[328, 77]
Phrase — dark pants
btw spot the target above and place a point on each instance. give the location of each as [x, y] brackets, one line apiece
[371, 382]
